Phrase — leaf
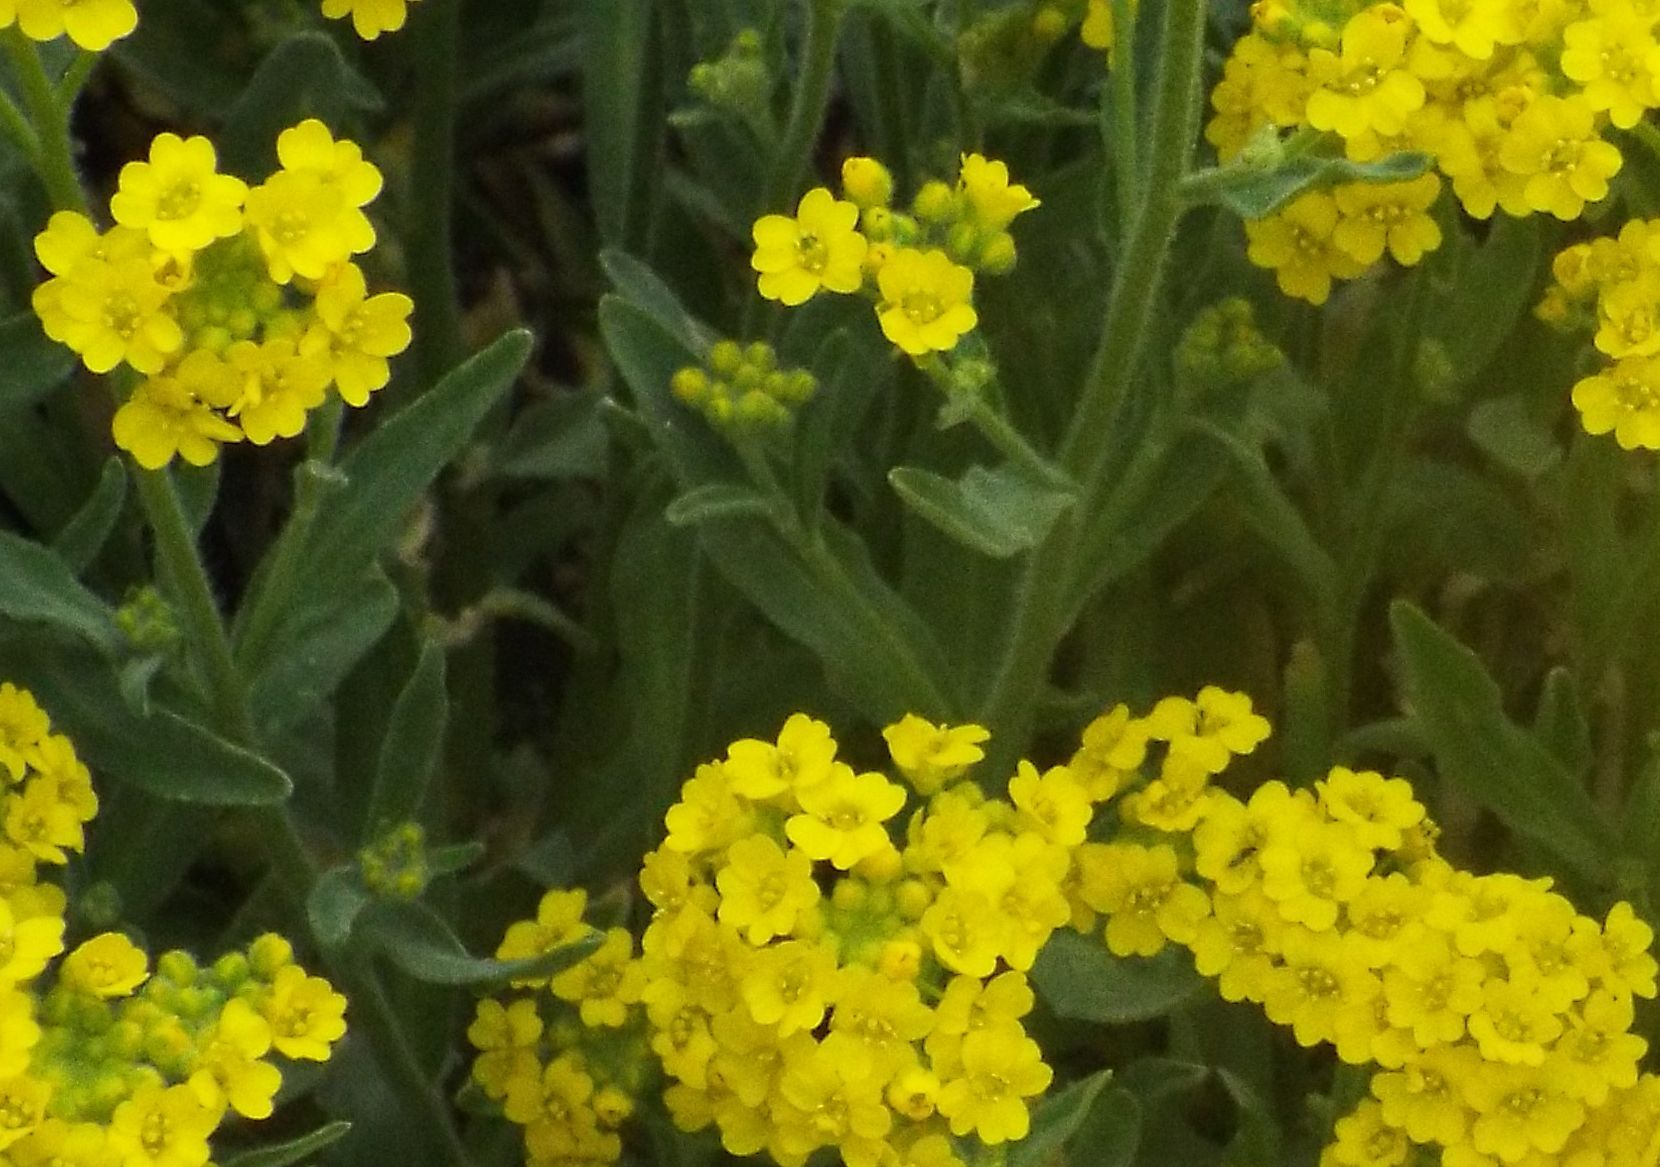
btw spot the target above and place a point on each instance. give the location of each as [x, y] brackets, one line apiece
[35, 365]
[1082, 981]
[305, 75]
[640, 286]
[1111, 1131]
[1560, 723]
[1496, 762]
[337, 899]
[413, 745]
[622, 94]
[717, 500]
[84, 536]
[1253, 192]
[550, 861]
[416, 939]
[455, 858]
[163, 753]
[294, 1151]
[562, 437]
[1055, 1119]
[1507, 431]
[388, 471]
[37, 587]
[999, 512]
[1477, 310]
[319, 645]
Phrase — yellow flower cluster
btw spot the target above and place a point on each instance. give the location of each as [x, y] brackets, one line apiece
[240, 306]
[370, 18]
[1498, 1017]
[1511, 99]
[818, 978]
[1612, 286]
[919, 266]
[93, 25]
[564, 1057]
[742, 385]
[102, 1062]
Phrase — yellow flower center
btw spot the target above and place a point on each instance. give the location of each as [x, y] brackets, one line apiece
[180, 201]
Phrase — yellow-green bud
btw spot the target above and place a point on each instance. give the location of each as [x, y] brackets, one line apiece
[726, 358]
[997, 256]
[962, 243]
[935, 203]
[1049, 23]
[866, 182]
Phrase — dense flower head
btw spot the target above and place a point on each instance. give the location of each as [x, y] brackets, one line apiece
[919, 265]
[1497, 1017]
[1610, 289]
[1511, 100]
[105, 1055]
[241, 307]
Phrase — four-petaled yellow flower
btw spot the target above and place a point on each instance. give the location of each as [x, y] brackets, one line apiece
[820, 248]
[927, 301]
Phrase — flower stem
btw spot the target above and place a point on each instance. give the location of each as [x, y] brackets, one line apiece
[53, 161]
[1043, 599]
[1125, 121]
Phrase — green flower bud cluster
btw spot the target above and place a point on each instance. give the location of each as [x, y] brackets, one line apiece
[147, 622]
[743, 386]
[1002, 50]
[1223, 346]
[738, 80]
[395, 865]
[231, 297]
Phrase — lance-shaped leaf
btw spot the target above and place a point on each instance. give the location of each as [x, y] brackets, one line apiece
[999, 512]
[37, 587]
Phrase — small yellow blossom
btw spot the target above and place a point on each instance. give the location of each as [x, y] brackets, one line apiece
[819, 249]
[926, 303]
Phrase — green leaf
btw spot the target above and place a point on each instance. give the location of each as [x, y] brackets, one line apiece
[1496, 762]
[1111, 1131]
[640, 286]
[1253, 192]
[304, 76]
[1082, 981]
[562, 437]
[1507, 431]
[294, 1151]
[456, 857]
[84, 536]
[416, 939]
[717, 500]
[35, 365]
[622, 94]
[162, 752]
[337, 899]
[37, 587]
[317, 647]
[1055, 1119]
[413, 746]
[1560, 723]
[999, 512]
[1476, 309]
[389, 470]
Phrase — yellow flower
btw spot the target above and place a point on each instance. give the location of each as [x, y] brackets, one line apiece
[926, 303]
[1000, 1068]
[1365, 87]
[1519, 1109]
[604, 984]
[933, 756]
[355, 332]
[178, 197]
[23, 727]
[1625, 398]
[162, 1126]
[790, 985]
[1626, 942]
[842, 817]
[1142, 894]
[41, 822]
[963, 930]
[1473, 27]
[109, 311]
[878, 1018]
[1111, 748]
[308, 216]
[1053, 804]
[831, 1101]
[801, 757]
[764, 890]
[1425, 1097]
[1297, 244]
[1320, 979]
[1392, 215]
[276, 386]
[1610, 56]
[229, 1070]
[993, 202]
[93, 25]
[163, 419]
[1513, 1025]
[820, 248]
[1554, 146]
[1236, 944]
[1309, 869]
[1597, 1053]
[506, 1038]
[709, 815]
[867, 182]
[306, 1015]
[1365, 1139]
[370, 18]
[108, 965]
[1432, 990]
[1377, 809]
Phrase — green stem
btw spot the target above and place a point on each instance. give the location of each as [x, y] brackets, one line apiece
[16, 127]
[438, 341]
[1042, 601]
[75, 78]
[1122, 94]
[176, 548]
[53, 162]
[263, 611]
[812, 98]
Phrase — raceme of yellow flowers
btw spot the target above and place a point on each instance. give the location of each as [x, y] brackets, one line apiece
[1497, 1016]
[918, 265]
[94, 25]
[836, 959]
[240, 305]
[1610, 287]
[104, 1061]
[1511, 99]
